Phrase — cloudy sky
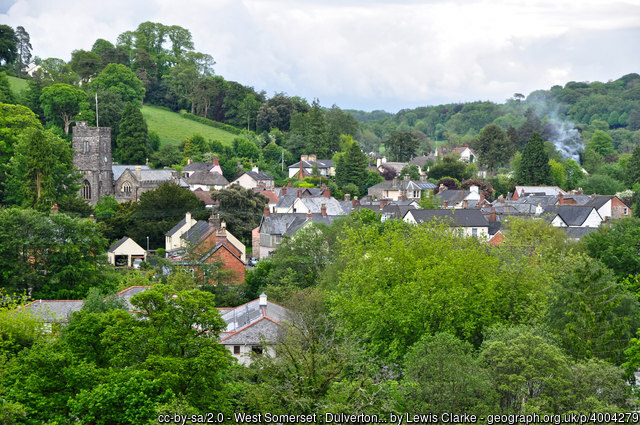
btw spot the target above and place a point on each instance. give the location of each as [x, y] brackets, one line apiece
[368, 54]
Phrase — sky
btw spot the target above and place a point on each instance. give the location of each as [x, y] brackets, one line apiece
[368, 54]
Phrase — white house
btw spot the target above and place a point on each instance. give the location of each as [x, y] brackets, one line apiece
[469, 222]
[173, 238]
[123, 252]
[255, 178]
[252, 328]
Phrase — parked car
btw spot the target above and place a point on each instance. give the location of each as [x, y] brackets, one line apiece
[253, 261]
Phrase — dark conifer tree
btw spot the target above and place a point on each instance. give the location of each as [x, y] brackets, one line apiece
[132, 136]
[534, 168]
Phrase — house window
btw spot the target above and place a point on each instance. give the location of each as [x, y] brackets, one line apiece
[126, 188]
[626, 211]
[474, 231]
[256, 349]
[236, 349]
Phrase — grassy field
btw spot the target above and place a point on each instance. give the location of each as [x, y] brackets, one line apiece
[17, 85]
[173, 128]
[170, 126]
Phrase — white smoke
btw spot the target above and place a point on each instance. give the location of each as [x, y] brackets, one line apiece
[565, 137]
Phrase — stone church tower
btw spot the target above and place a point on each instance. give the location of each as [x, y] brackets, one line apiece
[92, 158]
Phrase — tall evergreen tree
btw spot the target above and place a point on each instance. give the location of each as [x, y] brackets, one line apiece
[534, 167]
[6, 95]
[24, 49]
[132, 136]
[633, 168]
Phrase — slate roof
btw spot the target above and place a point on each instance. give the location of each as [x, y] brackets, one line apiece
[452, 197]
[396, 211]
[118, 244]
[198, 166]
[196, 231]
[61, 310]
[314, 205]
[54, 310]
[119, 169]
[543, 200]
[175, 228]
[578, 232]
[420, 161]
[573, 215]
[321, 163]
[251, 324]
[289, 223]
[461, 217]
[598, 201]
[259, 175]
[204, 177]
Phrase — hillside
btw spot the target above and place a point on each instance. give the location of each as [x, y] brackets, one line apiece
[174, 128]
[17, 84]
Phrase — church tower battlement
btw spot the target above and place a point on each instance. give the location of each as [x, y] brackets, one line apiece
[92, 158]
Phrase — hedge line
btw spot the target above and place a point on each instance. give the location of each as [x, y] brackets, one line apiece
[210, 123]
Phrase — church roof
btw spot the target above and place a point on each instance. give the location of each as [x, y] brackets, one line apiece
[119, 169]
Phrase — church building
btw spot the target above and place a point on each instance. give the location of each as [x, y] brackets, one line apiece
[92, 158]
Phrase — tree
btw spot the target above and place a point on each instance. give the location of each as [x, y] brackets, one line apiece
[8, 45]
[241, 209]
[24, 49]
[133, 136]
[312, 126]
[85, 64]
[61, 103]
[527, 371]
[54, 71]
[442, 374]
[601, 143]
[633, 168]
[534, 168]
[50, 257]
[160, 209]
[119, 79]
[401, 146]
[411, 170]
[449, 167]
[591, 314]
[14, 121]
[573, 172]
[352, 166]
[41, 170]
[600, 184]
[616, 246]
[249, 108]
[493, 147]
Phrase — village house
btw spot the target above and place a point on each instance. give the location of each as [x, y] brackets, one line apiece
[307, 164]
[125, 252]
[400, 189]
[252, 328]
[207, 243]
[470, 222]
[255, 178]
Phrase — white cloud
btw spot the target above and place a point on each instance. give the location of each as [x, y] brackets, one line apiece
[369, 54]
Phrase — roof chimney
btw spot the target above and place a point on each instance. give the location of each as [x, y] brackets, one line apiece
[215, 161]
[214, 221]
[299, 193]
[347, 196]
[263, 300]
[445, 204]
[323, 210]
[492, 215]
[187, 217]
[266, 210]
[301, 172]
[138, 172]
[355, 203]
[560, 199]
[309, 215]
[465, 204]
[188, 161]
[539, 209]
[283, 192]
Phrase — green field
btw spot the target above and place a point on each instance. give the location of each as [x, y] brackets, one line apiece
[173, 128]
[17, 85]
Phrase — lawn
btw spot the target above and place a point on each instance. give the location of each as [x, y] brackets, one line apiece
[17, 85]
[173, 128]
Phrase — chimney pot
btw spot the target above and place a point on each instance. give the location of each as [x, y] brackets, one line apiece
[347, 196]
[323, 209]
[263, 300]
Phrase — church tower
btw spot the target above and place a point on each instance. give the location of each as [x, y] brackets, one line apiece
[92, 158]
